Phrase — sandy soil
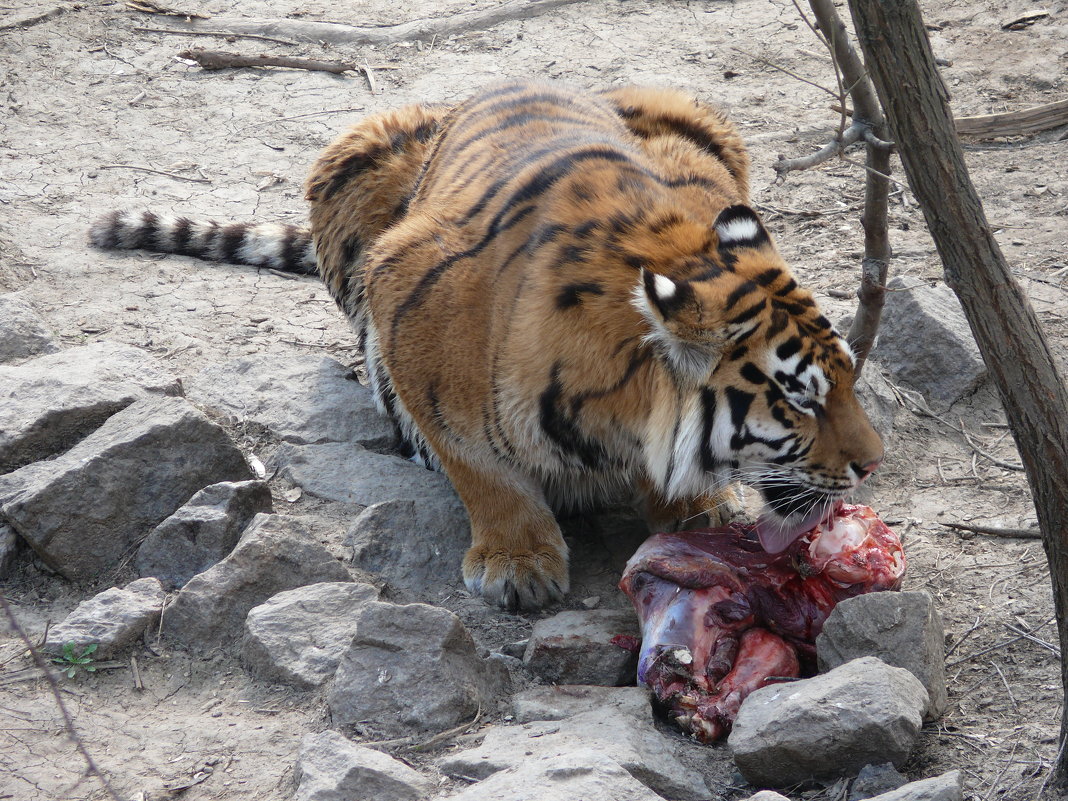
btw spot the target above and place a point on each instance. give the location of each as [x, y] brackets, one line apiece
[90, 104]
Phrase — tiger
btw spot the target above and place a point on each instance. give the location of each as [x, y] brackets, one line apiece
[564, 296]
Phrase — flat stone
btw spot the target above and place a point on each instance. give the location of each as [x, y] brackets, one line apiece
[86, 509]
[902, 629]
[298, 637]
[416, 546]
[305, 401]
[23, 334]
[347, 473]
[946, 787]
[412, 667]
[559, 701]
[864, 712]
[274, 554]
[49, 403]
[578, 775]
[114, 619]
[768, 795]
[332, 768]
[575, 647]
[875, 779]
[925, 341]
[202, 531]
[626, 736]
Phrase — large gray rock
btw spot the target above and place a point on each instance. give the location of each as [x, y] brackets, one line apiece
[877, 397]
[202, 531]
[113, 619]
[624, 734]
[23, 333]
[828, 726]
[274, 554]
[332, 768]
[413, 666]
[350, 474]
[578, 775]
[903, 629]
[926, 343]
[299, 636]
[946, 787]
[416, 546]
[84, 510]
[559, 701]
[49, 403]
[576, 647]
[9, 549]
[301, 400]
[768, 795]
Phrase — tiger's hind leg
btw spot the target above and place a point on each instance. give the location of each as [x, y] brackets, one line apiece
[518, 558]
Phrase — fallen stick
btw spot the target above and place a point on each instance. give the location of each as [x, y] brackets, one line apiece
[224, 34]
[221, 60]
[995, 531]
[1014, 123]
[336, 33]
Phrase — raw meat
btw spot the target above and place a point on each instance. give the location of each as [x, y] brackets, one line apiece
[721, 617]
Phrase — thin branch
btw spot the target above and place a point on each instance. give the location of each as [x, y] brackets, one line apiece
[794, 75]
[154, 171]
[336, 33]
[68, 721]
[220, 60]
[996, 531]
[853, 134]
[224, 34]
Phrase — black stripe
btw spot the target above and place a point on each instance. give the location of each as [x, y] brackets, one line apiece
[768, 277]
[708, 401]
[145, 233]
[562, 428]
[749, 313]
[181, 235]
[739, 403]
[571, 295]
[779, 323]
[233, 236]
[751, 373]
[739, 292]
[788, 348]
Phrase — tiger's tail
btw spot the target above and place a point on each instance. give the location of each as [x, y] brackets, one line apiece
[276, 246]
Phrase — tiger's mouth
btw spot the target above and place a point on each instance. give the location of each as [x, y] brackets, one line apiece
[790, 510]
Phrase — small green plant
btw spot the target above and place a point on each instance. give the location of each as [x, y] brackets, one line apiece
[70, 662]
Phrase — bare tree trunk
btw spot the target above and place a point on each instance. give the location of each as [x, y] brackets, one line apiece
[916, 103]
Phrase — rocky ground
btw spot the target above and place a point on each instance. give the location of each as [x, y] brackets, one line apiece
[129, 375]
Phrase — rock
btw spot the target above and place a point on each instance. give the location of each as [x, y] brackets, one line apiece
[925, 341]
[49, 403]
[331, 768]
[578, 775]
[274, 554]
[946, 787]
[84, 510]
[828, 726]
[350, 474]
[416, 546]
[559, 701]
[877, 397]
[115, 619]
[23, 333]
[768, 795]
[9, 549]
[875, 779]
[299, 636]
[903, 629]
[412, 667]
[619, 731]
[301, 400]
[201, 532]
[576, 648]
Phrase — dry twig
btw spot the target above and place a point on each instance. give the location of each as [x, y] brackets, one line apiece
[335, 33]
[221, 60]
[996, 531]
[154, 171]
[224, 34]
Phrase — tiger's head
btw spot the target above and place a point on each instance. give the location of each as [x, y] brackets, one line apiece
[773, 378]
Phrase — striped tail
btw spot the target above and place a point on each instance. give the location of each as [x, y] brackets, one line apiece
[276, 246]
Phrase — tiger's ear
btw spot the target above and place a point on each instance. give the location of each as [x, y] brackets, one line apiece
[739, 227]
[687, 336]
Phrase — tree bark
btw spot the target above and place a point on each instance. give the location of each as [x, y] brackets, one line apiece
[916, 103]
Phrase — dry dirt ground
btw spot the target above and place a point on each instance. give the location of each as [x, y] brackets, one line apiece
[97, 114]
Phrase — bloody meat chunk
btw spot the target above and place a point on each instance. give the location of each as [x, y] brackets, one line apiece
[721, 617]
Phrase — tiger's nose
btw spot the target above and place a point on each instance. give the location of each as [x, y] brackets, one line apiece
[862, 471]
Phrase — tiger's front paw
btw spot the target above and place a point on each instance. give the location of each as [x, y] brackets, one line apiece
[528, 579]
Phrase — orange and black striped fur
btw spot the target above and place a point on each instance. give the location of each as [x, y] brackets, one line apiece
[562, 295]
